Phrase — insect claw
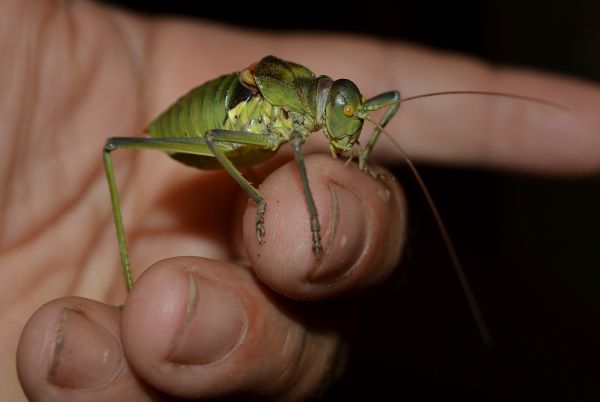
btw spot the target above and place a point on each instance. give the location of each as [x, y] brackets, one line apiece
[375, 174]
[383, 176]
[315, 228]
[260, 222]
[317, 247]
[260, 232]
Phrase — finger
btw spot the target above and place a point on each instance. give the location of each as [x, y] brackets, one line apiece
[200, 328]
[362, 229]
[70, 350]
[466, 129]
[486, 130]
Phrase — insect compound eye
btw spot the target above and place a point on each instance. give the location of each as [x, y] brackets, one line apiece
[348, 110]
[343, 126]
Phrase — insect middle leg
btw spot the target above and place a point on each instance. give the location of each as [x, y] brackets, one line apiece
[315, 227]
[213, 137]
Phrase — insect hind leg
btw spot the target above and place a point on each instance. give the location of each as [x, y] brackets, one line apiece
[196, 146]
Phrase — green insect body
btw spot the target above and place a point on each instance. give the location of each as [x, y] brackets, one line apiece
[223, 103]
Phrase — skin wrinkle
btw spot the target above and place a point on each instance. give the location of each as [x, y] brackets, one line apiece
[334, 223]
[289, 339]
[366, 247]
[86, 255]
[40, 274]
[55, 218]
[39, 43]
[29, 103]
[43, 275]
[129, 169]
[136, 50]
[96, 173]
[52, 219]
[290, 373]
[19, 144]
[91, 65]
[190, 311]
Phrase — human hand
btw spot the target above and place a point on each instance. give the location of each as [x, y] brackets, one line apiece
[68, 95]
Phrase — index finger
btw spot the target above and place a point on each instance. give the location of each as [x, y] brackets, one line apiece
[459, 129]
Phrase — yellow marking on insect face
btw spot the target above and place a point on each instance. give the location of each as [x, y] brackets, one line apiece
[247, 77]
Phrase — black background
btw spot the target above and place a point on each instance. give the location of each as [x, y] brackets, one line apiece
[529, 244]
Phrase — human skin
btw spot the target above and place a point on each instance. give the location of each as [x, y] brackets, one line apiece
[74, 73]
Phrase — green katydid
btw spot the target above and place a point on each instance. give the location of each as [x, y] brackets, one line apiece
[241, 119]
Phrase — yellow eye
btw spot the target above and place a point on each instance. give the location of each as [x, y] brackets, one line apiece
[349, 110]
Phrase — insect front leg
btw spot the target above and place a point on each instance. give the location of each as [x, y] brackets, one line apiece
[391, 99]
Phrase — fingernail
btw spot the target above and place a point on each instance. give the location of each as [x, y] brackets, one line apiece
[86, 355]
[347, 236]
[214, 323]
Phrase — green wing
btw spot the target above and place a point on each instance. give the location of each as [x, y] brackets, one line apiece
[287, 84]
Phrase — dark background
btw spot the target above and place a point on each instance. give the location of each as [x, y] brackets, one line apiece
[528, 244]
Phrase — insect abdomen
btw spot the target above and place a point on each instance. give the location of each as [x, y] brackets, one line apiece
[203, 108]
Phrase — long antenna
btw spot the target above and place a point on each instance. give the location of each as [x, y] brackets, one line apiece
[460, 273]
[487, 93]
